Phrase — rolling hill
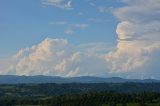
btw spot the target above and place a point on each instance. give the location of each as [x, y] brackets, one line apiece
[13, 79]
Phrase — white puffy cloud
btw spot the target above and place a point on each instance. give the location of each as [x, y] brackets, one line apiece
[138, 35]
[57, 57]
[4, 65]
[64, 4]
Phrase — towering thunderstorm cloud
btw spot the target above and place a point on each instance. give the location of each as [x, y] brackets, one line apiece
[138, 35]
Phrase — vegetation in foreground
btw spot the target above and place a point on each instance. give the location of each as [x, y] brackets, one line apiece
[53, 95]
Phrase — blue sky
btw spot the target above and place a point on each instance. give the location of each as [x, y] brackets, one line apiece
[24, 23]
[80, 37]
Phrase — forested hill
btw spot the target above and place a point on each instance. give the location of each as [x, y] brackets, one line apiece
[78, 94]
[13, 79]
[74, 88]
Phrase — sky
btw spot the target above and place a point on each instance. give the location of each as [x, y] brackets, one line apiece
[105, 38]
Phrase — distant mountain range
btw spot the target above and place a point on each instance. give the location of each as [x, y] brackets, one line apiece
[13, 79]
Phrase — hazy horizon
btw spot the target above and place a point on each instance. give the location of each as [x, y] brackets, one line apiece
[69, 38]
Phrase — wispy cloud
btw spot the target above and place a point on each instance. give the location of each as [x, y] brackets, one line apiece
[63, 4]
[81, 26]
[92, 4]
[69, 32]
[103, 9]
[98, 20]
[58, 23]
[80, 13]
[70, 27]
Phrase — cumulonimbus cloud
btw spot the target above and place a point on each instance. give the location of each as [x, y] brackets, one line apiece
[138, 34]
